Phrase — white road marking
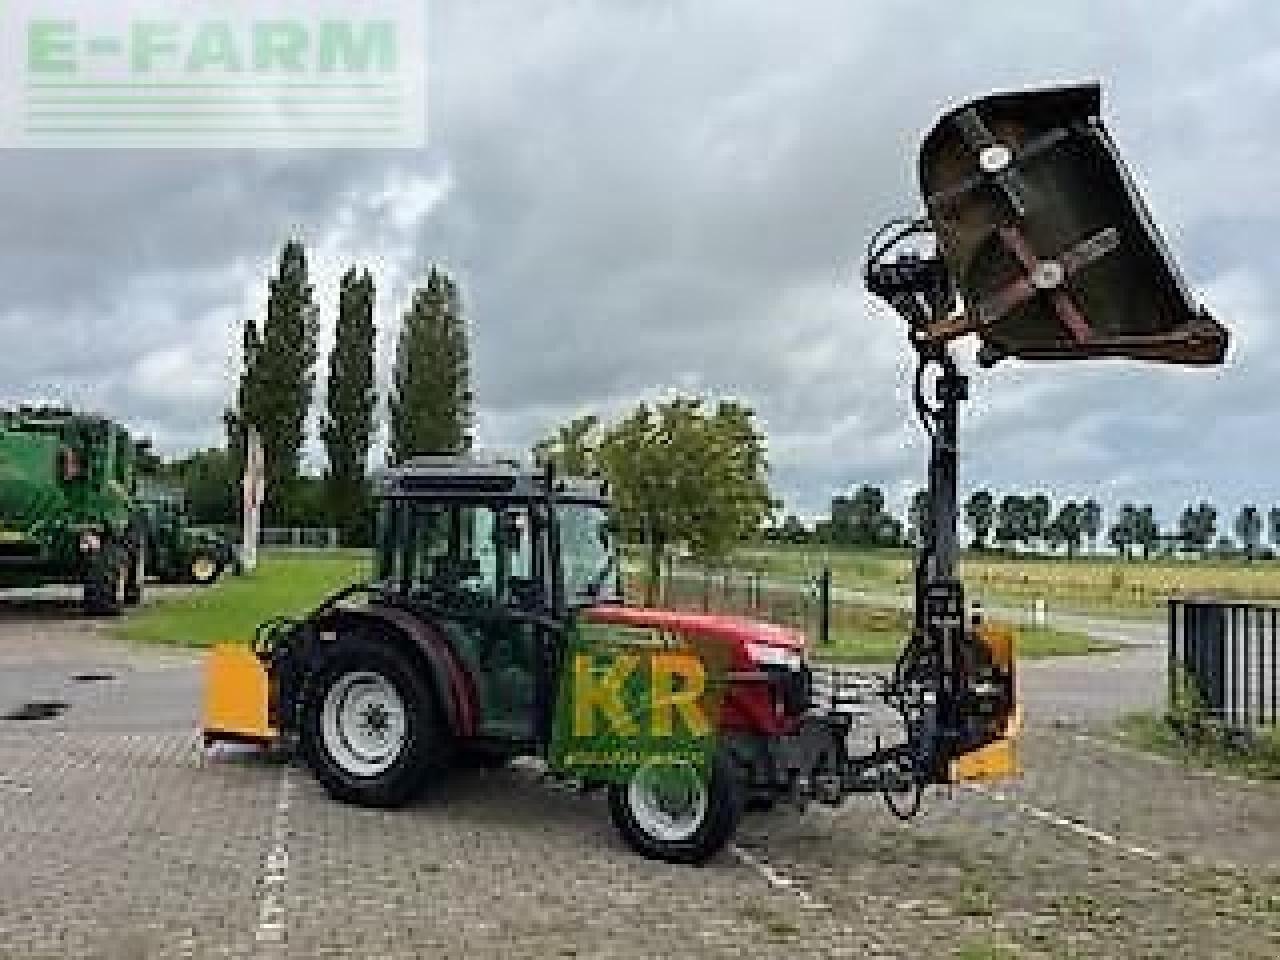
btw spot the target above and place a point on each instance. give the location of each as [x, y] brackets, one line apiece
[275, 870]
[1066, 823]
[777, 879]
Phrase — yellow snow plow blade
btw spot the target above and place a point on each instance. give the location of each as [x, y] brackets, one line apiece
[235, 697]
[998, 758]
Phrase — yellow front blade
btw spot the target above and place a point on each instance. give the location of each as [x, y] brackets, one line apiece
[235, 696]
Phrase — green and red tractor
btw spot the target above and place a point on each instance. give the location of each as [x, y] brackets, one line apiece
[67, 508]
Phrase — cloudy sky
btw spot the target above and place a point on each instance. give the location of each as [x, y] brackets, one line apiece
[638, 196]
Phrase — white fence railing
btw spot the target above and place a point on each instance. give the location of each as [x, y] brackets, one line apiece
[305, 538]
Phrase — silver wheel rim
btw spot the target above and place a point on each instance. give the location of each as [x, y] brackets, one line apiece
[669, 802]
[363, 723]
[202, 568]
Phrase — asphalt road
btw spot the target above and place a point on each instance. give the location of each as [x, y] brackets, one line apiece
[121, 838]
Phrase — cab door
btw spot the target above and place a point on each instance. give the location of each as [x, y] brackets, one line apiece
[469, 563]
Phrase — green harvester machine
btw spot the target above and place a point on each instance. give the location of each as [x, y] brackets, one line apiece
[68, 513]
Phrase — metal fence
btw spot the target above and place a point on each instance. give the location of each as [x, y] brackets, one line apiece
[311, 538]
[800, 602]
[1223, 660]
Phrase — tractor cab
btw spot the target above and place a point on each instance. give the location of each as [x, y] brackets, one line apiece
[494, 536]
[498, 557]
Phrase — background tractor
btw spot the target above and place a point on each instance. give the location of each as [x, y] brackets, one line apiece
[176, 551]
[493, 626]
[67, 510]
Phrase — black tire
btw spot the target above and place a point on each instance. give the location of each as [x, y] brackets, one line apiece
[204, 567]
[137, 575]
[104, 587]
[424, 751]
[725, 801]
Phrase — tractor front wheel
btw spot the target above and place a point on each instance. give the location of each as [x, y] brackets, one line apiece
[678, 813]
[370, 729]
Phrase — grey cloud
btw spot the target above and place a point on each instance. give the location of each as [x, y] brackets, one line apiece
[643, 195]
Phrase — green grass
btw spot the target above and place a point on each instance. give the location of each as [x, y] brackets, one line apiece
[879, 646]
[1259, 760]
[1084, 584]
[288, 583]
[284, 584]
[985, 950]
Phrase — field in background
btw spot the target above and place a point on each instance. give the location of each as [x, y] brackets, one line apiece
[293, 582]
[1106, 585]
[858, 632]
[285, 583]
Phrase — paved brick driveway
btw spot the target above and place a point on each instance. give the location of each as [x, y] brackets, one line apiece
[120, 838]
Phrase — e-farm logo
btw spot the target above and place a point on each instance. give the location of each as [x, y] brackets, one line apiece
[214, 73]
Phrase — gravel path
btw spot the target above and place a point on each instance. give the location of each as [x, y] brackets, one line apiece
[120, 838]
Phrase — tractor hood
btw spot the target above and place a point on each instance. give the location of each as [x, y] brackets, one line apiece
[750, 642]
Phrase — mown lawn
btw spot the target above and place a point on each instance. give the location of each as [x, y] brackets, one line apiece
[878, 645]
[1087, 584]
[1258, 758]
[285, 583]
[288, 583]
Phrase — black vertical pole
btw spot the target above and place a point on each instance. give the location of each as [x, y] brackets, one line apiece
[824, 607]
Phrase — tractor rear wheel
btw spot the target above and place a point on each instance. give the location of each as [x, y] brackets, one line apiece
[370, 728]
[678, 814]
[105, 585]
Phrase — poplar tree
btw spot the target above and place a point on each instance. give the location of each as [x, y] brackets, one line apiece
[347, 430]
[431, 399]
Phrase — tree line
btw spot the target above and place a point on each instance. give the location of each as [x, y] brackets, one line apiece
[1034, 522]
[429, 406]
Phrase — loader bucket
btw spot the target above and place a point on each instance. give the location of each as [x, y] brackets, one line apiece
[997, 758]
[236, 696]
[1052, 248]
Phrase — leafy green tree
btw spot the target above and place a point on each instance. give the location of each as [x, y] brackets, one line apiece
[1248, 528]
[1146, 532]
[1091, 522]
[793, 530]
[1067, 527]
[980, 511]
[211, 480]
[1037, 513]
[1124, 532]
[1198, 525]
[685, 471]
[1011, 520]
[572, 448]
[431, 399]
[278, 378]
[348, 428]
[856, 519]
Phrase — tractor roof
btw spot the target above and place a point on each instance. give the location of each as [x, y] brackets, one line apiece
[53, 418]
[466, 476]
